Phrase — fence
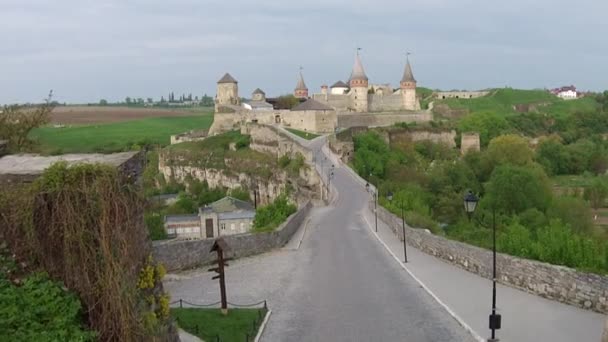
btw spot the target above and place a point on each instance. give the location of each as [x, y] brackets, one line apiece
[198, 329]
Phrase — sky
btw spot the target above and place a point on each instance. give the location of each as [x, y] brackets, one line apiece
[87, 50]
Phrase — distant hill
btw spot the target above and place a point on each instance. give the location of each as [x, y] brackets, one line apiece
[512, 101]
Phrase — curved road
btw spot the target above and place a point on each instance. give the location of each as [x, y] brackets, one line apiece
[340, 285]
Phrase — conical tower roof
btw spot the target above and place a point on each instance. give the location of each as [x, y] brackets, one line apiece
[301, 85]
[358, 73]
[408, 75]
[227, 79]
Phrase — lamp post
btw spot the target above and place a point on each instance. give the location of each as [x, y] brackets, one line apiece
[330, 175]
[470, 203]
[375, 194]
[390, 198]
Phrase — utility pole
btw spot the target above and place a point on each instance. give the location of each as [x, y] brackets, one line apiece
[376, 207]
[220, 246]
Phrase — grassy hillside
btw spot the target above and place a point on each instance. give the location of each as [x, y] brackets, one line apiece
[115, 136]
[502, 101]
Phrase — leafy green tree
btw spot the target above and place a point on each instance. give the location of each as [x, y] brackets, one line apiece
[489, 125]
[511, 149]
[596, 193]
[513, 189]
[287, 101]
[572, 211]
[372, 154]
[207, 101]
[128, 101]
[16, 123]
[553, 156]
[103, 102]
[580, 155]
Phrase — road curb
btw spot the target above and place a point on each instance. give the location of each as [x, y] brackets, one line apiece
[447, 308]
[262, 326]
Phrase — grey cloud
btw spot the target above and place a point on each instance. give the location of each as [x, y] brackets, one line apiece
[91, 49]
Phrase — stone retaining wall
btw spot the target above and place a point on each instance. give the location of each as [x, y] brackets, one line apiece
[180, 255]
[346, 120]
[563, 284]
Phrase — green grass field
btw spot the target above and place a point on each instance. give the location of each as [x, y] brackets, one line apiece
[301, 134]
[502, 101]
[114, 137]
[210, 323]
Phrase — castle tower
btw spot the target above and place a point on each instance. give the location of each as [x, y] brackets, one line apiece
[324, 89]
[258, 95]
[358, 85]
[408, 88]
[301, 90]
[227, 92]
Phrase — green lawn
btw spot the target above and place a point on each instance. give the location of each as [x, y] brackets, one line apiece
[115, 137]
[301, 134]
[209, 323]
[502, 101]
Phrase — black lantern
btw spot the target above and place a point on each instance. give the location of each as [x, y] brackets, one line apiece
[470, 203]
[389, 196]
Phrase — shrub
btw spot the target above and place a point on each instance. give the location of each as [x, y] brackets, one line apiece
[269, 217]
[40, 310]
[156, 228]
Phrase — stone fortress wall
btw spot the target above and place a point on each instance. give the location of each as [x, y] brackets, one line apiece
[316, 121]
[342, 103]
[178, 255]
[346, 120]
[381, 102]
[563, 284]
[459, 94]
[269, 139]
[469, 142]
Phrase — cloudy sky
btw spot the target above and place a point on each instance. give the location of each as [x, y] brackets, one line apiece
[86, 50]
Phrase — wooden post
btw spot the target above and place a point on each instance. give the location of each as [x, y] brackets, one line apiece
[219, 247]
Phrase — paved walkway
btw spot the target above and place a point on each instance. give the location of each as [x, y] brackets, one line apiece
[525, 317]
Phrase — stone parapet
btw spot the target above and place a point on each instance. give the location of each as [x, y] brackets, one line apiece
[178, 255]
[585, 290]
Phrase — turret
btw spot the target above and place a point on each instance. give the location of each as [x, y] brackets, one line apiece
[324, 89]
[408, 88]
[358, 85]
[258, 95]
[301, 90]
[227, 92]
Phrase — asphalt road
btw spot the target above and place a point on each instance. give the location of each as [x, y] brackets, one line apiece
[340, 285]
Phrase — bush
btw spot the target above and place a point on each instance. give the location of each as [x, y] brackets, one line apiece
[573, 212]
[156, 227]
[40, 310]
[269, 217]
[513, 189]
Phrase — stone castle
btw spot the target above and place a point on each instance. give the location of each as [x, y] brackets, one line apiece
[319, 112]
[360, 96]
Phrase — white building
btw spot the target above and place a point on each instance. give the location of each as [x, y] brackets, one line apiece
[566, 93]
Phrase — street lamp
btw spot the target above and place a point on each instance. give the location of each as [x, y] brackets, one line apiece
[470, 203]
[330, 175]
[390, 198]
[375, 194]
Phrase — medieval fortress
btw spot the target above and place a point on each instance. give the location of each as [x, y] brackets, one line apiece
[336, 106]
